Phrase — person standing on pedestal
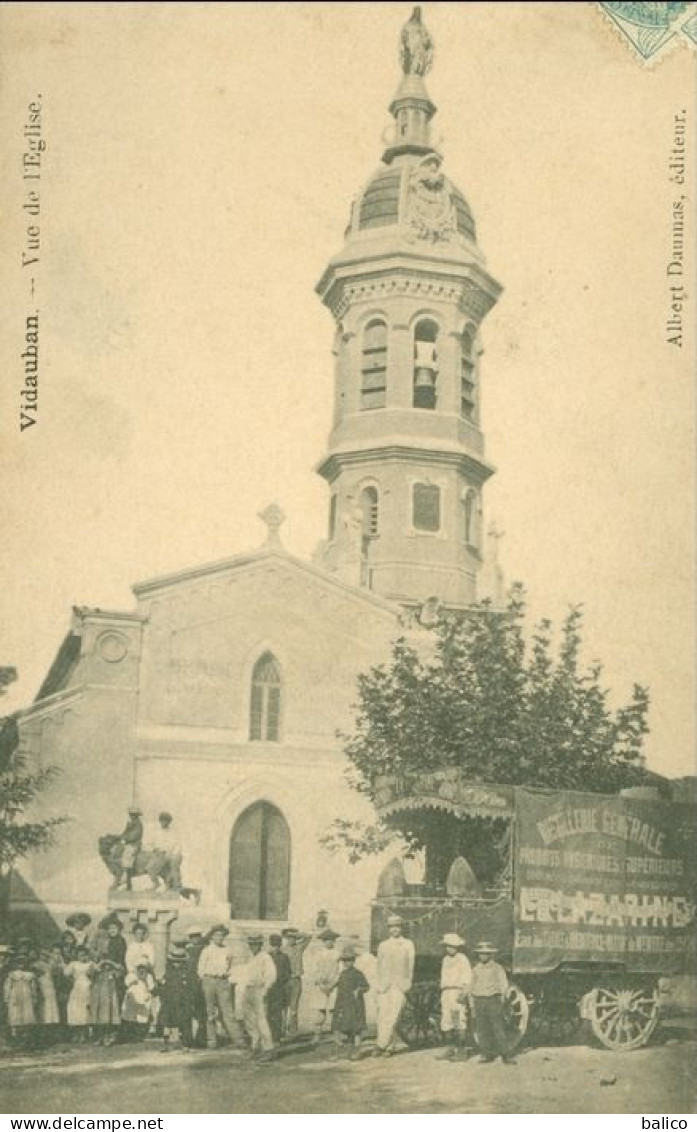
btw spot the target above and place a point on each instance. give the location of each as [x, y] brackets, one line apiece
[395, 971]
[214, 972]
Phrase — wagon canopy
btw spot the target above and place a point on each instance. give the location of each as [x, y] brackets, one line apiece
[446, 790]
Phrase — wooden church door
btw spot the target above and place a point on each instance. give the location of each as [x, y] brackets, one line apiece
[259, 885]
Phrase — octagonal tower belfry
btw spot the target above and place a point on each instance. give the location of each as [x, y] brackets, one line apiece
[408, 291]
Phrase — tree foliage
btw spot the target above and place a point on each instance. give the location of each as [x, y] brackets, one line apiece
[497, 706]
[19, 788]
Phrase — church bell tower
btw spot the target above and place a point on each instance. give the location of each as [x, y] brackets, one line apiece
[408, 291]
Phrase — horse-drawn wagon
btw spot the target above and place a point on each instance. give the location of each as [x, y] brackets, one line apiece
[589, 899]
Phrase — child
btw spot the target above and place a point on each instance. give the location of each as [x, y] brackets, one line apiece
[81, 971]
[21, 993]
[349, 1007]
[489, 988]
[455, 979]
[177, 999]
[137, 1011]
[108, 985]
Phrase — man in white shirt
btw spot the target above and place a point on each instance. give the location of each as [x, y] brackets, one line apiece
[214, 973]
[260, 976]
[395, 971]
[455, 982]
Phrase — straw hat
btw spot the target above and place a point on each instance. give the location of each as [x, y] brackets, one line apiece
[452, 939]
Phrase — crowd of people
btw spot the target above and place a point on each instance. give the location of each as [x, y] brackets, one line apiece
[103, 986]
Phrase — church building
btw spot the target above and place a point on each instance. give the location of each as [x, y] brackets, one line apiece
[219, 695]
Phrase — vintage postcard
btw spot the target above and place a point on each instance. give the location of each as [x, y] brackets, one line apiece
[347, 744]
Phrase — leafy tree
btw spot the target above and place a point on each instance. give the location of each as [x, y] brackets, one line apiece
[19, 836]
[19, 788]
[478, 696]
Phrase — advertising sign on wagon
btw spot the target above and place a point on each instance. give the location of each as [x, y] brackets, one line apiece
[601, 879]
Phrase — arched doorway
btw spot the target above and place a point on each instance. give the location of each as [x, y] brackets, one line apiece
[259, 876]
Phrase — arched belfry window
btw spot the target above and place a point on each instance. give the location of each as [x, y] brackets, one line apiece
[265, 706]
[369, 504]
[425, 364]
[374, 365]
[468, 385]
[259, 873]
[471, 517]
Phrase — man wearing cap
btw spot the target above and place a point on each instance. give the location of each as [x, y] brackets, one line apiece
[488, 989]
[214, 971]
[131, 841]
[395, 971]
[326, 976]
[294, 945]
[260, 977]
[455, 979]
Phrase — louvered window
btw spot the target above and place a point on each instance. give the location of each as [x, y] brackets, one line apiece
[374, 366]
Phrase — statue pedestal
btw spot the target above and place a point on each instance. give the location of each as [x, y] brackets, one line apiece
[158, 913]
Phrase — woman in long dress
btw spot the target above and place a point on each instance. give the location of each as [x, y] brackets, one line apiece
[21, 994]
[108, 986]
[81, 971]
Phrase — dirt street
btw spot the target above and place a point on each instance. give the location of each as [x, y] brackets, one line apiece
[556, 1079]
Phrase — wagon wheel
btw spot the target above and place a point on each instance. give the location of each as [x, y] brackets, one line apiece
[419, 1022]
[517, 1014]
[623, 1016]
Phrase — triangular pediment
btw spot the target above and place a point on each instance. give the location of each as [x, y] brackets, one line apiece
[273, 571]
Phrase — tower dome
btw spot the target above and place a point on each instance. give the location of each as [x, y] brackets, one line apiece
[387, 199]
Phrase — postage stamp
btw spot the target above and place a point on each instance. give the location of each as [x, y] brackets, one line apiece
[649, 27]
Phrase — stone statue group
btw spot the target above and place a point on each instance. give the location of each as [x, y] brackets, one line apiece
[153, 851]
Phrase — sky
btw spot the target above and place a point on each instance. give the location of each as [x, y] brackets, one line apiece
[199, 168]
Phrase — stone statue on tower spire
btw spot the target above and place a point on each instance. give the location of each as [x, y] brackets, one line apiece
[415, 46]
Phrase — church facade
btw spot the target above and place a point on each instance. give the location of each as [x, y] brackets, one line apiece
[219, 696]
